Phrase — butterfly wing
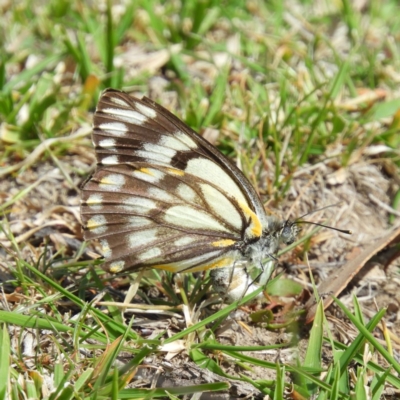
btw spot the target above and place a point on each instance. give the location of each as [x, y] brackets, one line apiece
[162, 196]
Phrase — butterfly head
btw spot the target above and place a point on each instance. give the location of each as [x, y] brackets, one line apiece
[275, 233]
[289, 232]
[282, 231]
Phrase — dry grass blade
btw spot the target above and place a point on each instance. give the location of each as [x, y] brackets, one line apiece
[35, 155]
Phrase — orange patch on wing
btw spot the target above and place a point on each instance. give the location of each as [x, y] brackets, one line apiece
[175, 267]
[168, 267]
[174, 171]
[223, 243]
[146, 171]
[255, 225]
[106, 181]
[221, 263]
[90, 224]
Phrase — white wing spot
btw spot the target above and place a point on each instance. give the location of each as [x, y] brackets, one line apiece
[183, 241]
[105, 248]
[117, 266]
[97, 224]
[112, 182]
[138, 222]
[114, 128]
[130, 116]
[117, 100]
[106, 143]
[153, 152]
[147, 111]
[95, 201]
[150, 175]
[110, 160]
[213, 173]
[150, 147]
[191, 218]
[151, 253]
[141, 238]
[139, 205]
[151, 158]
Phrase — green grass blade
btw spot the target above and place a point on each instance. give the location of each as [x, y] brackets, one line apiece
[5, 354]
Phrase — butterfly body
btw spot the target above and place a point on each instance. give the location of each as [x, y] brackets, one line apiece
[163, 197]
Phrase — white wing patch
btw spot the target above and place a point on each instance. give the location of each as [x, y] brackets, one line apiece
[120, 102]
[176, 142]
[147, 111]
[117, 266]
[95, 201]
[112, 182]
[183, 137]
[191, 218]
[154, 153]
[186, 192]
[161, 194]
[105, 248]
[150, 254]
[138, 222]
[107, 143]
[130, 116]
[110, 160]
[150, 175]
[221, 206]
[143, 237]
[213, 173]
[183, 241]
[97, 224]
[139, 205]
[114, 128]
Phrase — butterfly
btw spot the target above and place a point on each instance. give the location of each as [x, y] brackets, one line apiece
[163, 197]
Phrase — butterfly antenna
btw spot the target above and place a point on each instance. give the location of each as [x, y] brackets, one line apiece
[346, 231]
[298, 220]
